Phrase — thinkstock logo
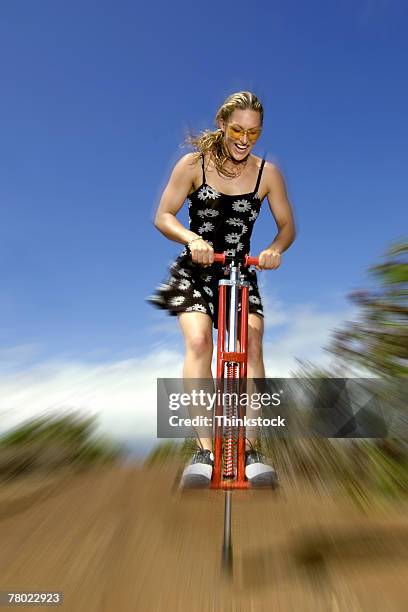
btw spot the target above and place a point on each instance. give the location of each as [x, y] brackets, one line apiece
[237, 404]
[222, 419]
[195, 407]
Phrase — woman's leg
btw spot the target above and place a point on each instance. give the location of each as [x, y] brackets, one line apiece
[256, 368]
[197, 332]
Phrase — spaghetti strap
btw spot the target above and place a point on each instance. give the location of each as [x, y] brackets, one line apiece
[202, 164]
[259, 176]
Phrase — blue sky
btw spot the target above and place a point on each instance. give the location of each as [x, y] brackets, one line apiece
[96, 98]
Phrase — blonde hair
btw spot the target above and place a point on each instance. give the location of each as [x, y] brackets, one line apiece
[213, 140]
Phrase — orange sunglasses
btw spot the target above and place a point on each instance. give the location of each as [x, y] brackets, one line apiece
[237, 132]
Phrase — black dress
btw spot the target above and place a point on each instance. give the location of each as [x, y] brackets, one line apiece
[226, 223]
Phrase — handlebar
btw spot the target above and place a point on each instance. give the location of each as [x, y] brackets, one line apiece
[247, 260]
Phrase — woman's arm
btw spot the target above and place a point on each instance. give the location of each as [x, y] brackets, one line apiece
[173, 197]
[281, 210]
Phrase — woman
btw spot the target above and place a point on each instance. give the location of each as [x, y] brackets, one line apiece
[224, 184]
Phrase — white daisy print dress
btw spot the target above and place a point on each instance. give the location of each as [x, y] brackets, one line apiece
[226, 222]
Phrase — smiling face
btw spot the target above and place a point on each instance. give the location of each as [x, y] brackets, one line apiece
[239, 142]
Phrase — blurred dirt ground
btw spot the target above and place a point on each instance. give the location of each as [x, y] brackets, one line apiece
[125, 539]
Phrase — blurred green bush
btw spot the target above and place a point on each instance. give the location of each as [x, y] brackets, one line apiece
[49, 443]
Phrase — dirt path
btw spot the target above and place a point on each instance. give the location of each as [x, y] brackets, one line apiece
[125, 540]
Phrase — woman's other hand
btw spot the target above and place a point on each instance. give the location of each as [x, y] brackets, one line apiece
[269, 259]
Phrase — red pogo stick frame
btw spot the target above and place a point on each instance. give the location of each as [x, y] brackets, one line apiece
[236, 366]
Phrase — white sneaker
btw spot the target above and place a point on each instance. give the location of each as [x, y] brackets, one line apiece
[258, 472]
[198, 473]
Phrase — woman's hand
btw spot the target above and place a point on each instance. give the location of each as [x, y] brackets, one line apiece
[269, 259]
[201, 252]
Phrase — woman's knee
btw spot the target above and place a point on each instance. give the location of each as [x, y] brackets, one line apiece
[197, 332]
[199, 344]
